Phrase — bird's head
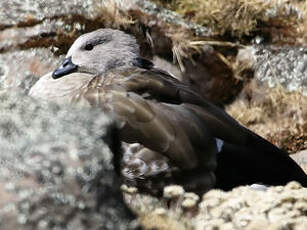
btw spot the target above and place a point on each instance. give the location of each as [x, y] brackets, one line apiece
[99, 52]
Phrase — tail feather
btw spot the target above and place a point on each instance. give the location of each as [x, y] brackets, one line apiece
[257, 162]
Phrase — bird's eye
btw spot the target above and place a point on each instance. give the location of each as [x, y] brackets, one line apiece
[88, 47]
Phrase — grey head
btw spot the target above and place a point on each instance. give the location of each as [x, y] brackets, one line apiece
[98, 52]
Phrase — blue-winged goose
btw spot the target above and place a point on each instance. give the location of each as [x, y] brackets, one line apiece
[182, 135]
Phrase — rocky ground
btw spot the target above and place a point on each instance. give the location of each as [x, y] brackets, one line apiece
[236, 68]
[282, 207]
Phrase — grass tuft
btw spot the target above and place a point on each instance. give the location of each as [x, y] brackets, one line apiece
[113, 15]
[239, 17]
[275, 114]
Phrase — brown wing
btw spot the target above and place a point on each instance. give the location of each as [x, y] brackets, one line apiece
[167, 127]
[164, 88]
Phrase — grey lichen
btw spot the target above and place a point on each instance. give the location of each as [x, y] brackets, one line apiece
[56, 172]
[283, 65]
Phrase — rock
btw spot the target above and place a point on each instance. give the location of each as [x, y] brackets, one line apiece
[286, 66]
[246, 208]
[189, 200]
[19, 70]
[301, 159]
[29, 24]
[27, 13]
[56, 172]
[188, 203]
[129, 190]
[173, 191]
[160, 212]
[242, 208]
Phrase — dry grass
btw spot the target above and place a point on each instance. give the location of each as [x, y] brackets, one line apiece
[113, 15]
[185, 44]
[277, 115]
[236, 17]
[182, 45]
[302, 27]
[162, 222]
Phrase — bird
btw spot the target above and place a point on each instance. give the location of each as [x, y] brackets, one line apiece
[171, 134]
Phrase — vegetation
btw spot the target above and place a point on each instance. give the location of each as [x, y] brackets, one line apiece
[275, 114]
[240, 17]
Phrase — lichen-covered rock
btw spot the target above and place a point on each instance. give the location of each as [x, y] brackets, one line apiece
[282, 65]
[190, 200]
[31, 12]
[19, 70]
[279, 207]
[246, 208]
[56, 172]
[173, 191]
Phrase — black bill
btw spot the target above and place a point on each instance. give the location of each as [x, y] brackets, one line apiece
[66, 68]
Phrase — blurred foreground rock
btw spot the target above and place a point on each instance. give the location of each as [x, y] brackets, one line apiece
[56, 172]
